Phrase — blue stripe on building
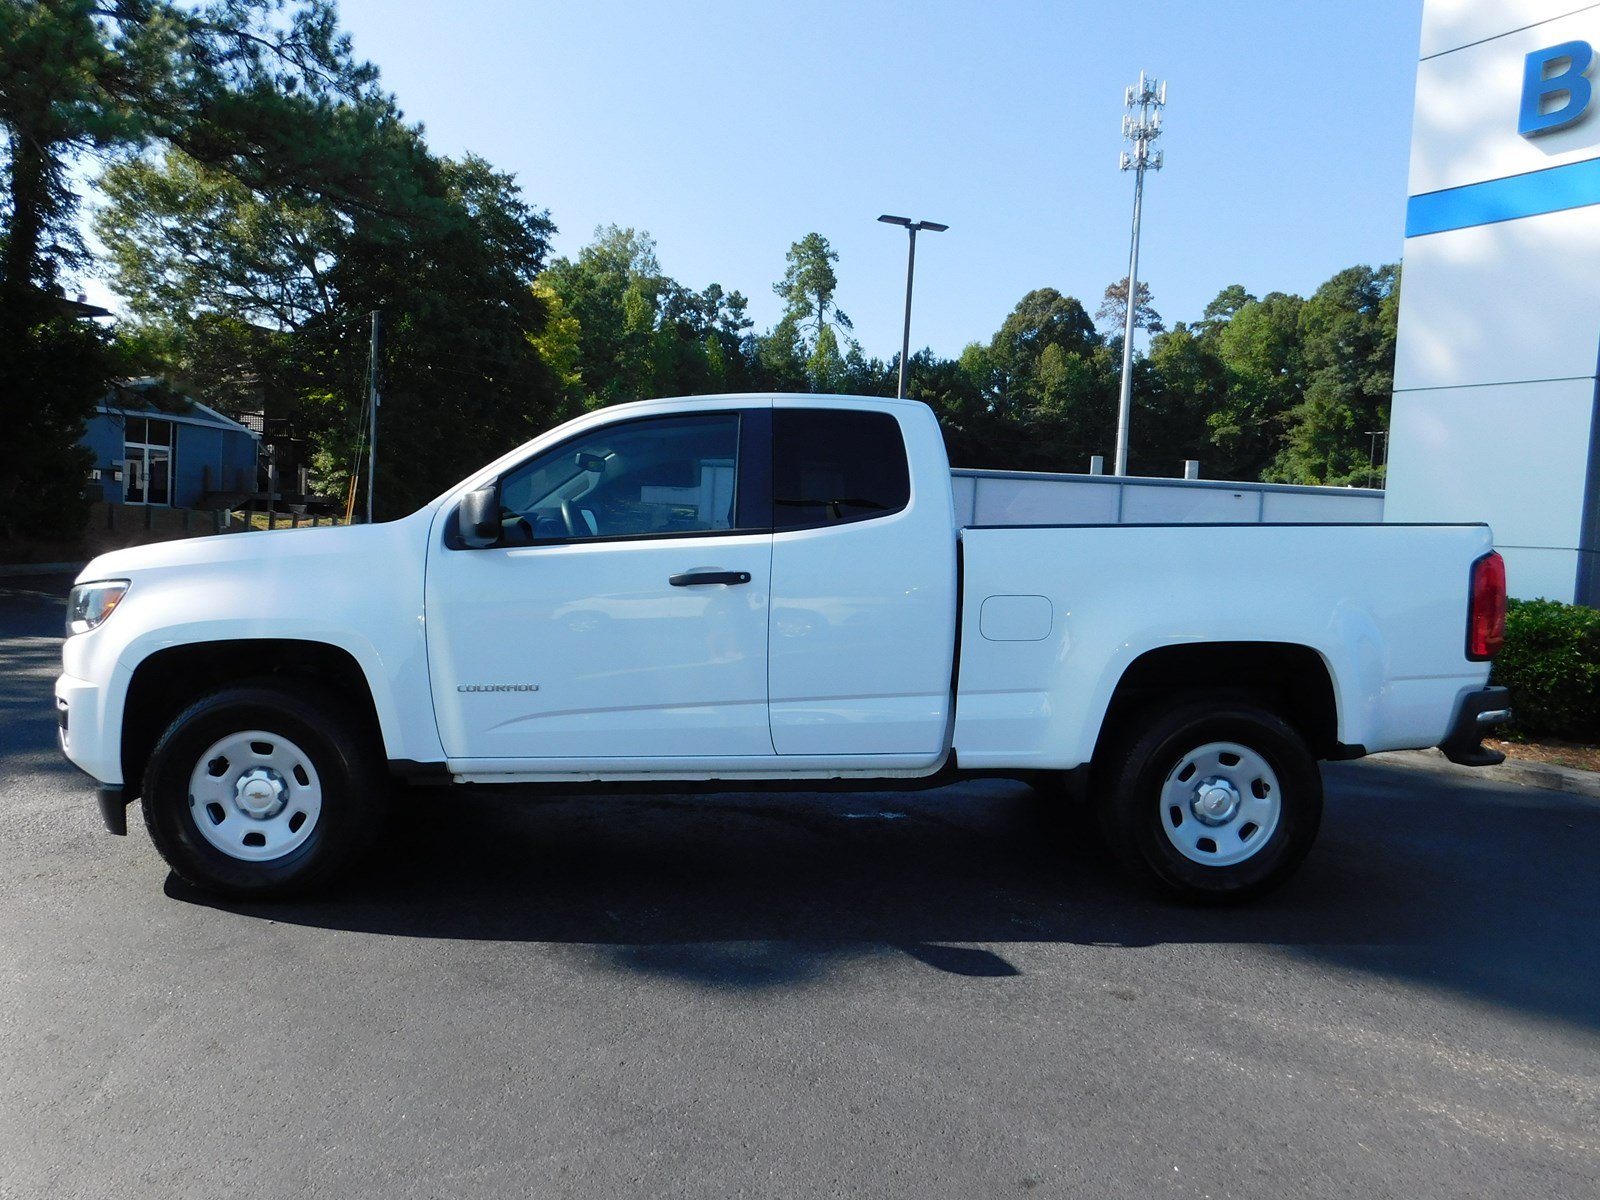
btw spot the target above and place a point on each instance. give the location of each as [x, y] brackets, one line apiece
[1555, 189]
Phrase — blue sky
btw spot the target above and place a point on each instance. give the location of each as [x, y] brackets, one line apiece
[729, 131]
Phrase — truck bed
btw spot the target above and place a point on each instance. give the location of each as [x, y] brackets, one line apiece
[1053, 617]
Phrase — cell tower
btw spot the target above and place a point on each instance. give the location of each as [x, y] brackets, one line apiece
[1141, 125]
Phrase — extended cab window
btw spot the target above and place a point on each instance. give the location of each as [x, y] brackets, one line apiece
[833, 465]
[638, 478]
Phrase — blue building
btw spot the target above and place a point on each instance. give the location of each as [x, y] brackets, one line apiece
[154, 446]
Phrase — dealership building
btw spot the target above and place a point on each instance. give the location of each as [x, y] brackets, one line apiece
[1496, 409]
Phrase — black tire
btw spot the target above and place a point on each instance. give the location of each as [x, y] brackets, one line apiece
[1145, 829]
[335, 755]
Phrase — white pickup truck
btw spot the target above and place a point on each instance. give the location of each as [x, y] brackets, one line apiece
[740, 590]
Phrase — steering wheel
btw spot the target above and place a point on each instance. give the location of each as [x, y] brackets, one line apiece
[574, 523]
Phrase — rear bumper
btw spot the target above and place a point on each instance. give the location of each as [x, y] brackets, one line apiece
[1477, 713]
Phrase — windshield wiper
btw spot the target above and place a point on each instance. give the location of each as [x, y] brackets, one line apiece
[834, 506]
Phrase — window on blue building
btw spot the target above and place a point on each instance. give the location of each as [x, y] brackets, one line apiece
[147, 447]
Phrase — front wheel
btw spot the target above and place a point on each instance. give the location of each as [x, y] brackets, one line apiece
[259, 792]
[1212, 799]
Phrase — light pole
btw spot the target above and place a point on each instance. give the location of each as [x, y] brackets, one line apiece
[1372, 458]
[1141, 125]
[372, 401]
[911, 267]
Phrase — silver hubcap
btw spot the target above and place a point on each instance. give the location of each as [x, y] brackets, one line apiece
[1220, 804]
[255, 795]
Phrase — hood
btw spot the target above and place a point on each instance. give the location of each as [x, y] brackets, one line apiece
[267, 548]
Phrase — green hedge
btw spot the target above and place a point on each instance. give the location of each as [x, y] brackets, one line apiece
[1551, 663]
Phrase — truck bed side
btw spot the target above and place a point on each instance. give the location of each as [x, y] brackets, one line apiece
[1053, 617]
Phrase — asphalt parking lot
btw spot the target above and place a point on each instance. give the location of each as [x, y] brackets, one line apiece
[945, 994]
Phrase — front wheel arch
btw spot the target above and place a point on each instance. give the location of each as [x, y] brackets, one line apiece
[168, 681]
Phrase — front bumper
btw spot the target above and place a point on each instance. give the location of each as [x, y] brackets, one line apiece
[113, 807]
[80, 725]
[1477, 713]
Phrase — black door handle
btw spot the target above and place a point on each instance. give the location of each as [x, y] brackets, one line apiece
[699, 578]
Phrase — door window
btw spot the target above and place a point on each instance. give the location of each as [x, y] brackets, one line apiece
[655, 477]
[833, 465]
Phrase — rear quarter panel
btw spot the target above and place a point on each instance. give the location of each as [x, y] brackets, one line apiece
[1384, 606]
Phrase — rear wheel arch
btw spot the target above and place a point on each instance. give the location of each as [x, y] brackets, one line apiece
[1291, 680]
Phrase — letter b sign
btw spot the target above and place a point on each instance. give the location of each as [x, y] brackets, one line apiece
[1555, 99]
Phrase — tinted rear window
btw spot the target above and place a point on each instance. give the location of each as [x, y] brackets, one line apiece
[834, 465]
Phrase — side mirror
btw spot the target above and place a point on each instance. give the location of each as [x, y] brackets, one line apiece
[478, 518]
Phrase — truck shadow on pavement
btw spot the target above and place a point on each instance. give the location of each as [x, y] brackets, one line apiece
[1456, 885]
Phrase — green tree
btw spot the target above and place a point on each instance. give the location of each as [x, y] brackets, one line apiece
[724, 326]
[1221, 309]
[1347, 338]
[75, 76]
[865, 376]
[1178, 386]
[557, 345]
[641, 333]
[1048, 378]
[610, 290]
[267, 277]
[219, 275]
[453, 281]
[1258, 345]
[1042, 318]
[958, 391]
[778, 358]
[813, 331]
[266, 92]
[808, 286]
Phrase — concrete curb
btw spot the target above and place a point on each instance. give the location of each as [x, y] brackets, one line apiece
[1513, 772]
[22, 570]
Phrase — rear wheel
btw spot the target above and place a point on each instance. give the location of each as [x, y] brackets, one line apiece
[257, 791]
[1212, 799]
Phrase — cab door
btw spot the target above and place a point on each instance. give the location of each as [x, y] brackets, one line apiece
[623, 612]
[862, 643]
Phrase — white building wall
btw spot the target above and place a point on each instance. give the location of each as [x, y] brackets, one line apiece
[1495, 375]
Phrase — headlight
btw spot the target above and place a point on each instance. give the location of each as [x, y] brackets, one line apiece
[88, 604]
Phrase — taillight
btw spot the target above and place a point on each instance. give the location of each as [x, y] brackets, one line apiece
[1486, 615]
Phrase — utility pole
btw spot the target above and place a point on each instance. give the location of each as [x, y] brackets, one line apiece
[372, 405]
[1141, 125]
[911, 227]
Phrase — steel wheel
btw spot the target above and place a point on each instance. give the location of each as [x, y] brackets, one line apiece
[1211, 798]
[255, 795]
[1220, 804]
[265, 789]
